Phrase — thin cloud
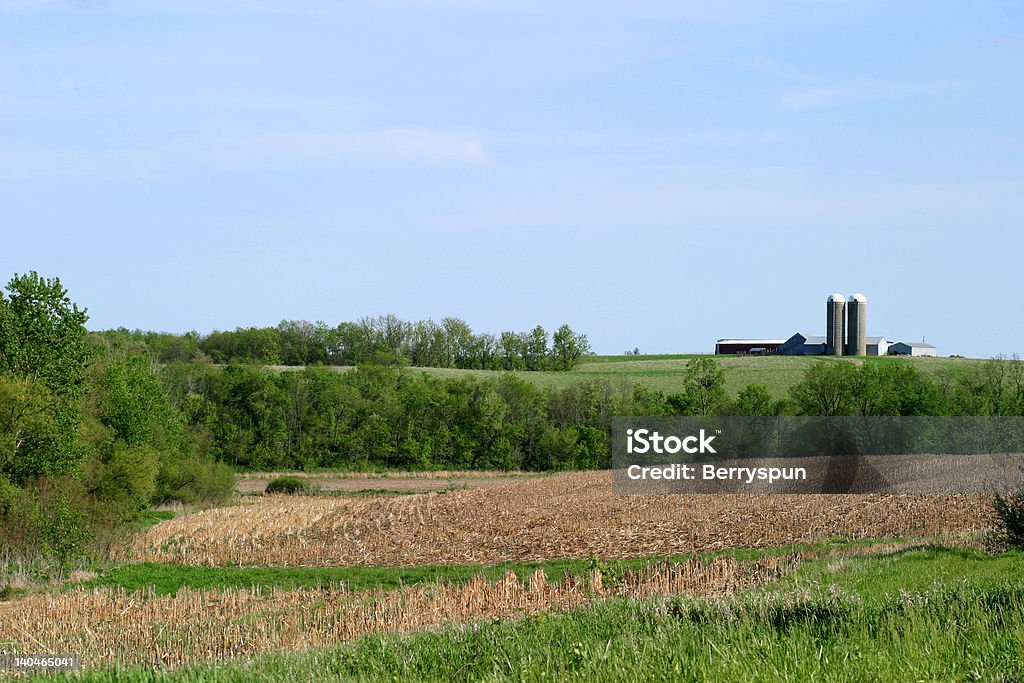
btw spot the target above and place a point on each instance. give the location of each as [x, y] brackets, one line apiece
[285, 150]
[25, 162]
[729, 11]
[998, 40]
[389, 145]
[860, 90]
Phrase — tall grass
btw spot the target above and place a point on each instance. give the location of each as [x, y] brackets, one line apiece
[949, 632]
[114, 627]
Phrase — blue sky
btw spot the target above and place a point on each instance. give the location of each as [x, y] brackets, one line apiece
[655, 174]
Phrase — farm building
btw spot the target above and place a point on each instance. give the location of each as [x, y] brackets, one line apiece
[747, 347]
[878, 346]
[912, 349]
[803, 344]
[846, 325]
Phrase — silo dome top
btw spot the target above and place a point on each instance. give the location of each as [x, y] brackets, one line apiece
[837, 298]
[859, 298]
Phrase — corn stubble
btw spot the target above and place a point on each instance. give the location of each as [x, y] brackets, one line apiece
[113, 627]
[564, 516]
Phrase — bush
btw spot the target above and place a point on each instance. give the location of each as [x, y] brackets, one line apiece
[192, 481]
[289, 485]
[1010, 518]
[66, 531]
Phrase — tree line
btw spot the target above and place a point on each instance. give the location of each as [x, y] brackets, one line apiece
[381, 416]
[383, 340]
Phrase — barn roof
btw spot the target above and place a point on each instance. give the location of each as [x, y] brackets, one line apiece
[807, 339]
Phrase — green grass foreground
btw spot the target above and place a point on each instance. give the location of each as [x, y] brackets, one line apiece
[927, 614]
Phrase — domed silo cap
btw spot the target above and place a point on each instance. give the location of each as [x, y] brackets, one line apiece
[859, 298]
[837, 298]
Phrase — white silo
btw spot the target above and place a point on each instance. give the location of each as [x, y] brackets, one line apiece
[857, 326]
[835, 325]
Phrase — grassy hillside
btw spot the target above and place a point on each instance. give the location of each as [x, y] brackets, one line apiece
[665, 373]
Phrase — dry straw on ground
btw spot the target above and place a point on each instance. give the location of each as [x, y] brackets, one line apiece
[563, 516]
[109, 627]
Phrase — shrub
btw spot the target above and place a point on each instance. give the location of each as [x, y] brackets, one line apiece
[1010, 518]
[66, 531]
[289, 485]
[193, 480]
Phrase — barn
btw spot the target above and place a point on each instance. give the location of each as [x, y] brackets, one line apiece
[878, 346]
[912, 349]
[747, 347]
[803, 344]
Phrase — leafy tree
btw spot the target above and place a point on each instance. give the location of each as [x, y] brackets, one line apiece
[510, 350]
[43, 347]
[826, 388]
[131, 401]
[994, 388]
[27, 426]
[42, 334]
[535, 349]
[351, 344]
[457, 341]
[301, 342]
[754, 400]
[704, 384]
[895, 388]
[123, 479]
[567, 348]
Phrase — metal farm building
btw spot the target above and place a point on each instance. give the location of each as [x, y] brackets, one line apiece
[913, 349]
[747, 347]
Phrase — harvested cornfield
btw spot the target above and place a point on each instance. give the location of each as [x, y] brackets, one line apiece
[110, 627]
[256, 482]
[566, 516]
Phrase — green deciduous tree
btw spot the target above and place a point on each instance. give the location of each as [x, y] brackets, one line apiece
[826, 388]
[567, 348]
[754, 400]
[535, 349]
[43, 349]
[42, 334]
[704, 385]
